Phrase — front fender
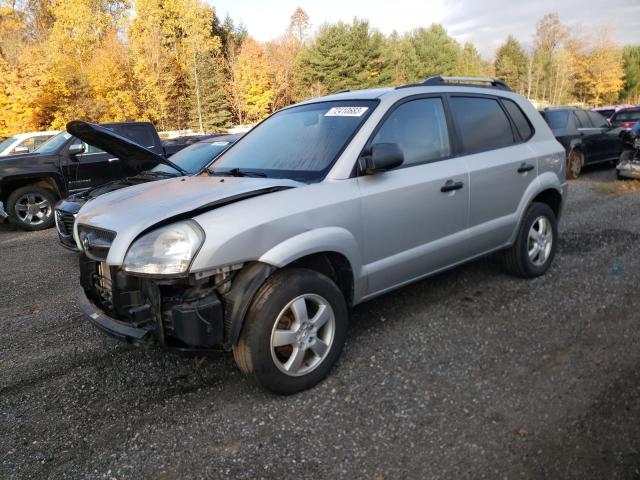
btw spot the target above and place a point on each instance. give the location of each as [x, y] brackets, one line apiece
[326, 239]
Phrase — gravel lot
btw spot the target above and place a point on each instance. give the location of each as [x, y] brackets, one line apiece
[470, 374]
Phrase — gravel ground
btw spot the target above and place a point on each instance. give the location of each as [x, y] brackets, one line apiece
[470, 374]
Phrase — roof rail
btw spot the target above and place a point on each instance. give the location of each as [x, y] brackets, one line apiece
[460, 82]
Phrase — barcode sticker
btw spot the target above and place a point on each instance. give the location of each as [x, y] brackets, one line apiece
[346, 112]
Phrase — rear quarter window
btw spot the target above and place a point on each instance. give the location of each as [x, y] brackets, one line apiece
[524, 128]
[482, 123]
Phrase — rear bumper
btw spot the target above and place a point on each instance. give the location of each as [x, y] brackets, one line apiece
[111, 326]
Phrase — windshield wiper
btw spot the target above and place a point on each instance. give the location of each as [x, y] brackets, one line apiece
[236, 172]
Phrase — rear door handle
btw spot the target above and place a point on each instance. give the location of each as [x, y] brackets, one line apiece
[450, 186]
[525, 167]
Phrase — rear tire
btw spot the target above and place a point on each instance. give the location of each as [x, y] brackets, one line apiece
[294, 331]
[535, 247]
[575, 162]
[31, 208]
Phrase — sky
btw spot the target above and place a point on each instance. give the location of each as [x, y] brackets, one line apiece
[485, 23]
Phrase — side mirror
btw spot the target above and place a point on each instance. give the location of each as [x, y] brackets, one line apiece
[381, 157]
[21, 150]
[76, 149]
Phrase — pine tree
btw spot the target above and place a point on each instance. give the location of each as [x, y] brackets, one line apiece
[511, 64]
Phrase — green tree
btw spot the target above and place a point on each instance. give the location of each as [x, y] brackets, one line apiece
[436, 52]
[342, 57]
[511, 64]
[631, 65]
[470, 63]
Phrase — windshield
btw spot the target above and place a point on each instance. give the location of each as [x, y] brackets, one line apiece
[7, 142]
[300, 142]
[54, 143]
[195, 157]
[556, 118]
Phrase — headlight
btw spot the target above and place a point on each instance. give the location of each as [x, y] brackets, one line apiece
[165, 251]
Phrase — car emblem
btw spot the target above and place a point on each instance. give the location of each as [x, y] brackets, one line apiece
[86, 242]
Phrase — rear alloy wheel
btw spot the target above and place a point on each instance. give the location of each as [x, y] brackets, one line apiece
[575, 162]
[31, 207]
[294, 331]
[535, 247]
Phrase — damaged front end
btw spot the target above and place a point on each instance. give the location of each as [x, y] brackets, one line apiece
[192, 314]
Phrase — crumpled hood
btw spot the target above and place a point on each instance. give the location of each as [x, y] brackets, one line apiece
[132, 210]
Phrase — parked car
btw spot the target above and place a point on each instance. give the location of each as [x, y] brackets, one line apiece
[629, 164]
[607, 111]
[587, 137]
[626, 118]
[24, 142]
[30, 184]
[192, 160]
[322, 206]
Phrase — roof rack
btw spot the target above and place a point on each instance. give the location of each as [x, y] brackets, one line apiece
[461, 82]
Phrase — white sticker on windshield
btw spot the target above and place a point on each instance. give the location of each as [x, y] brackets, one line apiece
[219, 144]
[67, 136]
[346, 112]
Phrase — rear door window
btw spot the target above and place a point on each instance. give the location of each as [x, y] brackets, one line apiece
[519, 119]
[583, 119]
[419, 127]
[482, 123]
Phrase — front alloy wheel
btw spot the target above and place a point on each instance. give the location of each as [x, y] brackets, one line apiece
[303, 334]
[31, 207]
[293, 332]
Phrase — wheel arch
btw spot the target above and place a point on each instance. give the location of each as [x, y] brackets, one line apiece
[46, 181]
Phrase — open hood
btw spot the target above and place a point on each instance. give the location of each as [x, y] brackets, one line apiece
[132, 154]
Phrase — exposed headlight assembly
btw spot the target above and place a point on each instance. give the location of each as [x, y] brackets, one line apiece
[168, 250]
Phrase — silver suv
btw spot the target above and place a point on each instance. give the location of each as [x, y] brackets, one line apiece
[324, 205]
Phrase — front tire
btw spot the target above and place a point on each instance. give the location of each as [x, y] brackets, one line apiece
[294, 331]
[535, 247]
[31, 207]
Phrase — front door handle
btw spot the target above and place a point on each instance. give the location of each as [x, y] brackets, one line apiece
[113, 160]
[450, 186]
[525, 167]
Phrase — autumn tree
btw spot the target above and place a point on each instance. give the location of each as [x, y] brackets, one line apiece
[250, 88]
[283, 56]
[511, 64]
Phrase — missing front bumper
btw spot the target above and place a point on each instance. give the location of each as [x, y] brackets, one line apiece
[181, 314]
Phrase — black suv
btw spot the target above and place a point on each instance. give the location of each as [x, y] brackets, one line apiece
[587, 137]
[30, 184]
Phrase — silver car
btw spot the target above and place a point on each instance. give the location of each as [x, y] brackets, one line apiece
[322, 206]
